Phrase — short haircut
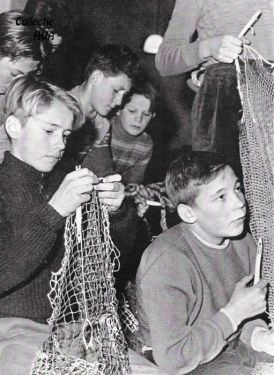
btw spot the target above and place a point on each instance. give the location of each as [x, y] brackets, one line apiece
[144, 88]
[17, 41]
[113, 60]
[189, 171]
[32, 96]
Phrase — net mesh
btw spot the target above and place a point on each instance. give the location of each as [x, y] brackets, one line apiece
[264, 369]
[256, 136]
[86, 335]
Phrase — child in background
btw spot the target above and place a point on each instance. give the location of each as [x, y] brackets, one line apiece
[131, 146]
[195, 309]
[19, 54]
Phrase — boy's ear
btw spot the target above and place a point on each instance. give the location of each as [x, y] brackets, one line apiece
[95, 76]
[186, 213]
[13, 126]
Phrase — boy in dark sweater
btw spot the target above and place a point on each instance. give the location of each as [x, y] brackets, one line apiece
[40, 117]
[195, 309]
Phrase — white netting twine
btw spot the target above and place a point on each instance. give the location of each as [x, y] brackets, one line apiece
[256, 136]
[263, 368]
[86, 336]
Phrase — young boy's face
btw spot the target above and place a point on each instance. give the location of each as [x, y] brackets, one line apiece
[220, 208]
[40, 142]
[136, 115]
[11, 69]
[107, 92]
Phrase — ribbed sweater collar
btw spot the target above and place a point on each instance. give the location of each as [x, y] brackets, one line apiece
[14, 166]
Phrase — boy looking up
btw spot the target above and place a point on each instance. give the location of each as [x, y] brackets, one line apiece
[19, 54]
[131, 146]
[195, 308]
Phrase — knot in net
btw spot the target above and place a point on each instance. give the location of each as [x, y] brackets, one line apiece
[86, 336]
[256, 137]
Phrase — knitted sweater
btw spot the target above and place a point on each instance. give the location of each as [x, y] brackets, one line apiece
[29, 228]
[131, 154]
[90, 149]
[4, 140]
[178, 53]
[181, 286]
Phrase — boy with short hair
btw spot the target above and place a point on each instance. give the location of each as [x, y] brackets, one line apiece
[110, 72]
[195, 308]
[19, 54]
[131, 146]
[40, 117]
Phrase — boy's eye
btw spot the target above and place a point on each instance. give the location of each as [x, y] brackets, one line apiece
[49, 131]
[239, 188]
[148, 114]
[221, 197]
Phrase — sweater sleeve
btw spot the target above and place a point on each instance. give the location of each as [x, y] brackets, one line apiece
[25, 248]
[177, 53]
[171, 304]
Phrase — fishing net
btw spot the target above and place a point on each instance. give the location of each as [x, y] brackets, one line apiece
[256, 136]
[263, 368]
[86, 336]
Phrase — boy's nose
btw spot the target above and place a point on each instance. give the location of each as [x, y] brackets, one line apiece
[138, 117]
[118, 99]
[239, 201]
[60, 144]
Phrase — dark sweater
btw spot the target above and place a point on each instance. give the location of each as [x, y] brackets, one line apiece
[31, 239]
[29, 229]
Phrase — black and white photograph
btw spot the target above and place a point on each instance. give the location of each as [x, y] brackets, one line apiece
[136, 187]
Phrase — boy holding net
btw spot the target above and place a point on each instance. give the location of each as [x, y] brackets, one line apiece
[195, 308]
[40, 118]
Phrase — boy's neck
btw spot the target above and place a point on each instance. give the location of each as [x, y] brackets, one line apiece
[79, 92]
[222, 245]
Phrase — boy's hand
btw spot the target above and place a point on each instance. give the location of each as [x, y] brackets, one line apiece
[247, 302]
[223, 48]
[262, 340]
[111, 192]
[74, 190]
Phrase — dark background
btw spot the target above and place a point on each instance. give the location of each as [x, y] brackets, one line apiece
[96, 22]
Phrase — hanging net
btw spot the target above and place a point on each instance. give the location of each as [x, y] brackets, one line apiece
[256, 136]
[86, 336]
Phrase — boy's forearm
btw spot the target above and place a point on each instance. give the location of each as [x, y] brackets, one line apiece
[178, 54]
[178, 344]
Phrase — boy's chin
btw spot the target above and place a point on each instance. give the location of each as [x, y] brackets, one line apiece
[236, 232]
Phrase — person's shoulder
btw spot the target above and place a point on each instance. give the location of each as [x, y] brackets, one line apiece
[165, 251]
[244, 242]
